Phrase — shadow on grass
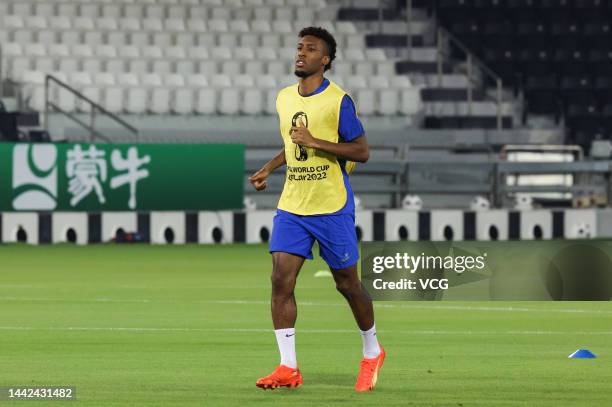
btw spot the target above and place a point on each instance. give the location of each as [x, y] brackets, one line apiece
[331, 379]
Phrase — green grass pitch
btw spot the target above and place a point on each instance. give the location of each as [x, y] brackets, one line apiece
[190, 326]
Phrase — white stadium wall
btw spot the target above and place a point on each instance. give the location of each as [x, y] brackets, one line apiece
[256, 226]
[580, 223]
[69, 227]
[401, 225]
[13, 222]
[364, 226]
[445, 223]
[113, 221]
[259, 226]
[167, 227]
[215, 227]
[536, 224]
[492, 225]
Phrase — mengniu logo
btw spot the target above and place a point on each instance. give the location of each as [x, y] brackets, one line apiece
[301, 153]
[34, 177]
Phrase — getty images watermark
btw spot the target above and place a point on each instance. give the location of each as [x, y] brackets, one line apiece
[413, 264]
[516, 270]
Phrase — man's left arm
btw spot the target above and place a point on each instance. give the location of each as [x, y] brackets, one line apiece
[356, 150]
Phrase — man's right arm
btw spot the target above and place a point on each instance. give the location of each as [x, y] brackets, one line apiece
[258, 179]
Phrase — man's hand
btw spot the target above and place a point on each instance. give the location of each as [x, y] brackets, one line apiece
[301, 135]
[258, 179]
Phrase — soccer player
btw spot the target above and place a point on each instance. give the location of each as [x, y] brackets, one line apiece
[322, 137]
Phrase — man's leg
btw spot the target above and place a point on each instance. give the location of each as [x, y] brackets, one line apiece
[339, 248]
[285, 269]
[349, 285]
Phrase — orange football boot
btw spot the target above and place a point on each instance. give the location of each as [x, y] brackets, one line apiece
[282, 376]
[368, 372]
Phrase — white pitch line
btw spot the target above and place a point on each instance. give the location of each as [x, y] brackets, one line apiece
[411, 305]
[306, 331]
[503, 309]
[39, 299]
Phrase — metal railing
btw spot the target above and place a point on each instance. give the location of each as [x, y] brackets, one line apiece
[444, 40]
[543, 148]
[495, 188]
[509, 173]
[397, 175]
[580, 168]
[472, 64]
[94, 110]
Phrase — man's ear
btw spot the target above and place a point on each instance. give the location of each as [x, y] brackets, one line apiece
[326, 60]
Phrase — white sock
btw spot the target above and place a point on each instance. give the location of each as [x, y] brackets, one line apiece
[370, 343]
[286, 345]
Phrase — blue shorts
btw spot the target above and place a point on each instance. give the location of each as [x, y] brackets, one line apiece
[335, 234]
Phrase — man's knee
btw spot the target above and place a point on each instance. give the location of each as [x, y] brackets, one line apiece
[347, 286]
[283, 281]
[280, 281]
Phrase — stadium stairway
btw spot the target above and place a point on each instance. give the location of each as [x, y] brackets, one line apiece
[445, 98]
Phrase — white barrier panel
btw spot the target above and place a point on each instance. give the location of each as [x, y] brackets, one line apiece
[168, 227]
[446, 225]
[401, 225]
[492, 225]
[69, 227]
[364, 224]
[113, 221]
[259, 226]
[216, 227]
[536, 224]
[14, 224]
[580, 223]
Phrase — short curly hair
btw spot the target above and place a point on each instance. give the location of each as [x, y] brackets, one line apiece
[324, 35]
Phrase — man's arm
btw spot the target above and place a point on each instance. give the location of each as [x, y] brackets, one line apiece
[355, 150]
[258, 179]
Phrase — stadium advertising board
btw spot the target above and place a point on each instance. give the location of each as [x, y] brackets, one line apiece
[120, 177]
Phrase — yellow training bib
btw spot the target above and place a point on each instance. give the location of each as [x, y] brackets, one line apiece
[314, 183]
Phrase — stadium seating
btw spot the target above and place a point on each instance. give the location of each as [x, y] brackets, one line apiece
[182, 38]
[421, 64]
[559, 52]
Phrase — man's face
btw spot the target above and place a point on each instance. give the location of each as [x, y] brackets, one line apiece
[311, 56]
